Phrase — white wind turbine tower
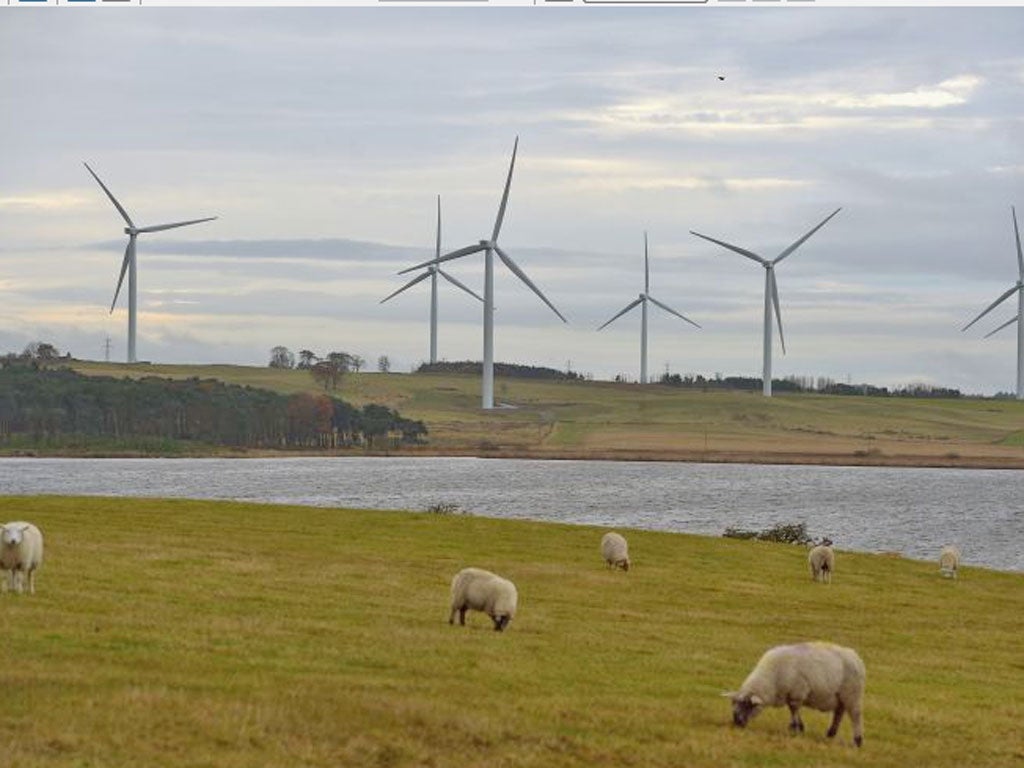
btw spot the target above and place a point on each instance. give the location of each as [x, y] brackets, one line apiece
[432, 271]
[129, 259]
[771, 294]
[642, 301]
[489, 248]
[1019, 317]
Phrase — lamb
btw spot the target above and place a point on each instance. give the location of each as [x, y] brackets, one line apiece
[949, 561]
[822, 560]
[21, 553]
[615, 551]
[825, 676]
[480, 590]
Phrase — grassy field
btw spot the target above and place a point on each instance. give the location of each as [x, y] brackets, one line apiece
[188, 633]
[628, 421]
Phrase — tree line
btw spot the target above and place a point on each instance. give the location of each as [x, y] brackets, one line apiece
[822, 385]
[511, 370]
[47, 404]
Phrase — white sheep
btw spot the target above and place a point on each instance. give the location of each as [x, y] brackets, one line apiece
[949, 561]
[825, 676]
[615, 551]
[21, 553]
[479, 590]
[822, 560]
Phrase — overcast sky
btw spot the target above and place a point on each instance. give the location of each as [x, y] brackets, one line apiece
[321, 137]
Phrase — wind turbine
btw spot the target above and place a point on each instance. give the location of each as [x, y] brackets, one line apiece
[771, 293]
[432, 271]
[642, 301]
[1018, 288]
[489, 248]
[129, 259]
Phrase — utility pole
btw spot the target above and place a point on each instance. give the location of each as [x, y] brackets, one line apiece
[106, 349]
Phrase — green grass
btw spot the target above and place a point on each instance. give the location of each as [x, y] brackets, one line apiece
[609, 420]
[193, 633]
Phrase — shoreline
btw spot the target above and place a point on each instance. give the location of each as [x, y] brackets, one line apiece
[781, 458]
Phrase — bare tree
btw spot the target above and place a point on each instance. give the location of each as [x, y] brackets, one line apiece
[281, 357]
[356, 362]
[383, 364]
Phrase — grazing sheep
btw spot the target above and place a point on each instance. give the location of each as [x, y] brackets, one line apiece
[21, 552]
[822, 560]
[825, 676]
[949, 561]
[479, 590]
[615, 551]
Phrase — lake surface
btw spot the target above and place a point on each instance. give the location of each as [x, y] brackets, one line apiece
[910, 511]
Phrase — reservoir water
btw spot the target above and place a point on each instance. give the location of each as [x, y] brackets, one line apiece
[909, 511]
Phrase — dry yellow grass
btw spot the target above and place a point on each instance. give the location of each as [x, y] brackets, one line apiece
[627, 421]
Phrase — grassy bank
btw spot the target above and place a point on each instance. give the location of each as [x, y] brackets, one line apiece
[174, 633]
[629, 421]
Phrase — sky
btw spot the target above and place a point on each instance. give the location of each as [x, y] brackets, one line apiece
[321, 137]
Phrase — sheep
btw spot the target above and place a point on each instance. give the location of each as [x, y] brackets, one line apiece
[825, 676]
[21, 553]
[615, 551]
[822, 560]
[480, 590]
[949, 561]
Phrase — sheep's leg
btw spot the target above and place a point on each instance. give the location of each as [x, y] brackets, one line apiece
[837, 715]
[32, 581]
[858, 726]
[462, 616]
[19, 581]
[796, 725]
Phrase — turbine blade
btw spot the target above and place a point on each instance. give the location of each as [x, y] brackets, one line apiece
[1011, 321]
[162, 227]
[647, 267]
[456, 283]
[469, 249]
[504, 195]
[622, 312]
[437, 253]
[736, 248]
[803, 239]
[522, 276]
[124, 268]
[778, 312]
[122, 211]
[669, 309]
[993, 305]
[1020, 256]
[410, 284]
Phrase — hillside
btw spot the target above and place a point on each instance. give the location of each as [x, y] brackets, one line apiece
[579, 419]
[173, 633]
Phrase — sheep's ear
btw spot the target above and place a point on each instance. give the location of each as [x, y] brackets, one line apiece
[730, 695]
[23, 528]
[757, 701]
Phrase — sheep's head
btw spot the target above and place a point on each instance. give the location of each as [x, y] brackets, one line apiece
[624, 564]
[500, 622]
[12, 534]
[745, 707]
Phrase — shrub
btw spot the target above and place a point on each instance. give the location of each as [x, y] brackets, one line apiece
[783, 533]
[446, 508]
